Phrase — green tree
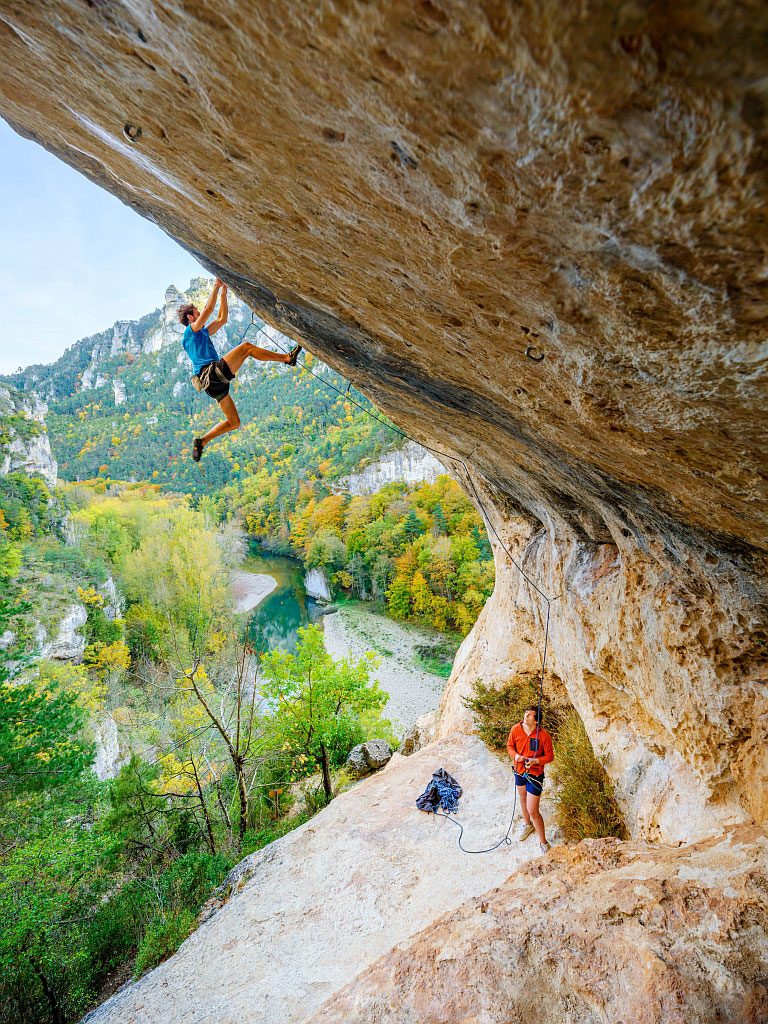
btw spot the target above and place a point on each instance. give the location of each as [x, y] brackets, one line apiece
[39, 745]
[315, 700]
[399, 598]
[413, 527]
[441, 526]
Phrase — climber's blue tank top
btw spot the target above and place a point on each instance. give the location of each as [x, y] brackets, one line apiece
[199, 348]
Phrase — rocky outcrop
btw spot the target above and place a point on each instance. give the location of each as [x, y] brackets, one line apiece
[29, 453]
[69, 644]
[537, 244]
[419, 734]
[114, 602]
[367, 757]
[109, 757]
[169, 329]
[411, 464]
[537, 248]
[316, 585]
[605, 931]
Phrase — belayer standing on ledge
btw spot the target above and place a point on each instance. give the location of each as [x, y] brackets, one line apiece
[530, 747]
[213, 375]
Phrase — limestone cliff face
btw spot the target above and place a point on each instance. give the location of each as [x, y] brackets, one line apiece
[411, 464]
[558, 935]
[534, 236]
[31, 453]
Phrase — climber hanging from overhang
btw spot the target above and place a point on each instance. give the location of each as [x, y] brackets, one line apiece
[212, 374]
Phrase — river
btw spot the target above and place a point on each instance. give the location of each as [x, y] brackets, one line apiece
[350, 632]
[275, 621]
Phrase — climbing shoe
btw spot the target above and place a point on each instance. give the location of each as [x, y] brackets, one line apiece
[528, 830]
[545, 847]
[197, 449]
[294, 355]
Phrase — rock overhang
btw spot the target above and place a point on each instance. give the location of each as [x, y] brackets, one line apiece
[420, 192]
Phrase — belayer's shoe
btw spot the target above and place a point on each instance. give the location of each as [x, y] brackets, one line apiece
[294, 355]
[545, 847]
[528, 830]
[197, 449]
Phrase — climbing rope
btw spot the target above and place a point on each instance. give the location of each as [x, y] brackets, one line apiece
[535, 356]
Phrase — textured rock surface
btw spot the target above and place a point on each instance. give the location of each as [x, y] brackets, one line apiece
[652, 664]
[420, 192]
[316, 585]
[368, 757]
[317, 907]
[30, 455]
[411, 463]
[69, 644]
[601, 932]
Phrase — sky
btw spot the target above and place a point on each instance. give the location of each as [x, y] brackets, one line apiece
[73, 258]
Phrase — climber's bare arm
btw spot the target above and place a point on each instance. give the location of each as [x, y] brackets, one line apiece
[199, 324]
[223, 316]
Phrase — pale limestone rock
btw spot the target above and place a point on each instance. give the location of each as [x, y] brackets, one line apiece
[605, 931]
[109, 757]
[316, 585]
[31, 455]
[312, 910]
[114, 602]
[419, 734]
[118, 389]
[663, 708]
[69, 644]
[179, 387]
[367, 757]
[411, 464]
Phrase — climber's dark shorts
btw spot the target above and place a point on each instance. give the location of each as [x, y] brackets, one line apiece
[217, 388]
[533, 783]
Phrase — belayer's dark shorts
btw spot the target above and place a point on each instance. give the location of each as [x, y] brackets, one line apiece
[218, 375]
[533, 783]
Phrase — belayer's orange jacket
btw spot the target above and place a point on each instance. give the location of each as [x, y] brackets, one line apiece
[538, 744]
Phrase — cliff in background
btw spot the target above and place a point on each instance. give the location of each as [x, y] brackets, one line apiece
[535, 237]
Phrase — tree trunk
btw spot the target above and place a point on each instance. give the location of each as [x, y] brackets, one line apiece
[204, 808]
[243, 803]
[57, 1013]
[326, 774]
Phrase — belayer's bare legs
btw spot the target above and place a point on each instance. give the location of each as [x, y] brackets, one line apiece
[246, 350]
[529, 805]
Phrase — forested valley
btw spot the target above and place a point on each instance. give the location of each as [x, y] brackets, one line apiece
[128, 559]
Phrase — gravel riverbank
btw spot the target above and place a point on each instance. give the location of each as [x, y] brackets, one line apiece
[249, 588]
[353, 630]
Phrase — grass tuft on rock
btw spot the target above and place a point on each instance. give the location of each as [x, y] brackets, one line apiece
[585, 805]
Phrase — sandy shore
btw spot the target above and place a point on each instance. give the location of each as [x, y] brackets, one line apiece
[350, 632]
[250, 588]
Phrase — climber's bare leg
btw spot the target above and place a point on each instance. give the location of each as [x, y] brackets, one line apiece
[232, 421]
[237, 356]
